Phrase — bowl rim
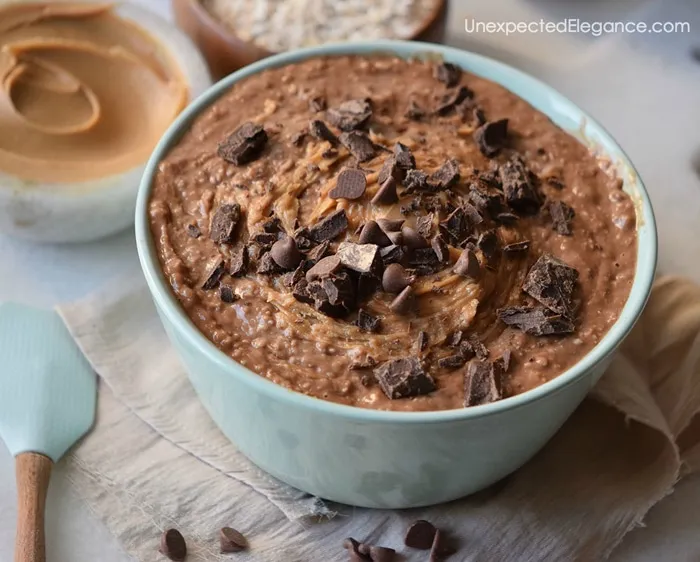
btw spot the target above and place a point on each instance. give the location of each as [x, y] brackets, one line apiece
[169, 306]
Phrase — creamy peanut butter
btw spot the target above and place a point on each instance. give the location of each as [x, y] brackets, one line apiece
[85, 93]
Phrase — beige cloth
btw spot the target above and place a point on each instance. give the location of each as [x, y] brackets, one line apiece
[156, 460]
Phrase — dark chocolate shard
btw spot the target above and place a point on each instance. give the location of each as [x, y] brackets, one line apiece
[334, 295]
[403, 378]
[420, 535]
[519, 191]
[424, 225]
[416, 180]
[330, 227]
[320, 130]
[479, 349]
[264, 239]
[404, 157]
[301, 293]
[267, 265]
[561, 215]
[517, 247]
[359, 145]
[446, 176]
[404, 303]
[373, 234]
[487, 199]
[395, 278]
[414, 111]
[318, 252]
[351, 184]
[325, 267]
[226, 293]
[503, 363]
[454, 339]
[223, 223]
[488, 244]
[480, 386]
[391, 254]
[317, 103]
[466, 350]
[452, 362]
[350, 115]
[468, 265]
[273, 225]
[239, 263]
[244, 145]
[363, 258]
[423, 340]
[213, 273]
[368, 284]
[285, 253]
[366, 322]
[456, 227]
[293, 277]
[425, 260]
[536, 321]
[448, 73]
[552, 282]
[452, 99]
[390, 169]
[386, 194]
[491, 137]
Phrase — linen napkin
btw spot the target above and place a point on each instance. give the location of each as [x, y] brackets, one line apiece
[156, 460]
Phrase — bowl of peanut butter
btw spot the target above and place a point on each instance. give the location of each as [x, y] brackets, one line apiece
[86, 91]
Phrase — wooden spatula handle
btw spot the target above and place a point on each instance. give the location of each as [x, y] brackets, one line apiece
[33, 473]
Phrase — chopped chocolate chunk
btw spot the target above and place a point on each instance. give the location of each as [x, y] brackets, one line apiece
[173, 545]
[366, 322]
[373, 234]
[478, 116]
[486, 199]
[424, 225]
[386, 194]
[212, 274]
[350, 115]
[412, 239]
[362, 258]
[448, 73]
[488, 244]
[226, 293]
[317, 103]
[324, 268]
[416, 180]
[390, 225]
[491, 137]
[519, 191]
[452, 362]
[455, 338]
[395, 278]
[422, 340]
[442, 251]
[474, 217]
[404, 157]
[267, 265]
[480, 350]
[298, 137]
[414, 111]
[223, 223]
[265, 239]
[561, 215]
[351, 184]
[456, 227]
[333, 296]
[466, 350]
[239, 262]
[452, 99]
[273, 225]
[404, 303]
[359, 145]
[368, 283]
[420, 535]
[517, 247]
[403, 378]
[193, 230]
[231, 540]
[552, 282]
[446, 176]
[502, 364]
[243, 145]
[330, 227]
[285, 253]
[425, 259]
[301, 293]
[390, 169]
[318, 252]
[320, 130]
[391, 254]
[536, 321]
[480, 385]
[293, 277]
[468, 265]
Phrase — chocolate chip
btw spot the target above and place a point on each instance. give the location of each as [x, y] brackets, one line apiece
[452, 99]
[552, 282]
[317, 103]
[440, 549]
[414, 111]
[317, 253]
[519, 191]
[267, 265]
[488, 244]
[404, 303]
[420, 535]
[373, 234]
[223, 223]
[381, 554]
[446, 176]
[173, 545]
[212, 274]
[386, 194]
[330, 227]
[243, 145]
[231, 540]
[404, 157]
[359, 145]
[285, 253]
[448, 73]
[395, 278]
[323, 268]
[561, 215]
[193, 230]
[390, 225]
[452, 362]
[536, 321]
[298, 137]
[239, 263]
[396, 238]
[416, 180]
[412, 239]
[226, 293]
[362, 258]
[350, 115]
[480, 384]
[366, 322]
[491, 137]
[391, 254]
[422, 340]
[517, 247]
[403, 378]
[356, 550]
[351, 184]
[320, 130]
[468, 265]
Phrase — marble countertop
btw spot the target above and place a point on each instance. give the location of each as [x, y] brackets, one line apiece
[643, 88]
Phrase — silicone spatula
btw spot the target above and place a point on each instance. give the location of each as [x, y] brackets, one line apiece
[47, 402]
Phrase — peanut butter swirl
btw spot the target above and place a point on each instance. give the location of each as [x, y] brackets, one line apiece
[85, 94]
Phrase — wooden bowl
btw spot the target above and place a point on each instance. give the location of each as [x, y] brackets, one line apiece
[226, 52]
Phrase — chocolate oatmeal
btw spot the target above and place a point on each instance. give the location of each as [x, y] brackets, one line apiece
[392, 234]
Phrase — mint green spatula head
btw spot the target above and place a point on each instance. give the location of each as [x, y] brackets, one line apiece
[47, 388]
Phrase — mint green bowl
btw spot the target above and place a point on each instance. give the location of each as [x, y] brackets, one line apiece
[391, 459]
